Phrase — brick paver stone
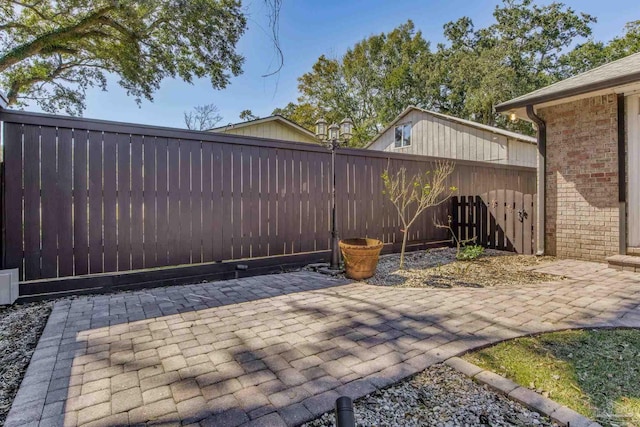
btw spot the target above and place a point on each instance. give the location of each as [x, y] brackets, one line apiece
[279, 349]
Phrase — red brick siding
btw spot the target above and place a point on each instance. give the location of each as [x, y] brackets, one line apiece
[582, 179]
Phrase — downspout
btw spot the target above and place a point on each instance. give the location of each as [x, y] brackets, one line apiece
[542, 178]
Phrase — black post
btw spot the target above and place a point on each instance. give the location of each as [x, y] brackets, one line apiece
[335, 251]
[344, 412]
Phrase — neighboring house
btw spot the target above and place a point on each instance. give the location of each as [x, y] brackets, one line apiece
[273, 127]
[589, 174]
[418, 131]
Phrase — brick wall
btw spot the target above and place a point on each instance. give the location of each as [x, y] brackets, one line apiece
[582, 179]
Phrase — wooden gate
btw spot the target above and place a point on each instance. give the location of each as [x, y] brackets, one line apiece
[499, 219]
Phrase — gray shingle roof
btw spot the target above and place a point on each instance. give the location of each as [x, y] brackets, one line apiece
[616, 73]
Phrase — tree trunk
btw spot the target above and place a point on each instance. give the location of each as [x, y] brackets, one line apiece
[404, 245]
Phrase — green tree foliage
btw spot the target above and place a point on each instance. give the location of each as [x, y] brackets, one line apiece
[370, 84]
[52, 51]
[517, 54]
[247, 115]
[528, 46]
[593, 54]
[303, 114]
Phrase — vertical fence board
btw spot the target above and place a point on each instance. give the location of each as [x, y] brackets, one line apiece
[314, 196]
[207, 202]
[174, 248]
[32, 202]
[295, 202]
[226, 201]
[185, 209]
[196, 202]
[49, 200]
[307, 236]
[255, 213]
[518, 220]
[501, 222]
[149, 202]
[263, 188]
[162, 202]
[318, 197]
[96, 224]
[12, 221]
[137, 203]
[477, 206]
[512, 219]
[246, 207]
[272, 202]
[80, 203]
[123, 143]
[363, 189]
[324, 232]
[281, 192]
[218, 203]
[64, 194]
[285, 200]
[109, 203]
[236, 203]
[527, 228]
[493, 207]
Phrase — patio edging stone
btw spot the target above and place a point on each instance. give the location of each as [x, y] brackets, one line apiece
[529, 398]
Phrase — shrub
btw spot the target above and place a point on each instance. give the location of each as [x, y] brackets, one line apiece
[470, 252]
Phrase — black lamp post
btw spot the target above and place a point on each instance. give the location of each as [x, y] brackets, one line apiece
[334, 136]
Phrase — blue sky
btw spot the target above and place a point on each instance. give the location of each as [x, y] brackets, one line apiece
[309, 29]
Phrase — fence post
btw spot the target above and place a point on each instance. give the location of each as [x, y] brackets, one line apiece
[3, 105]
[454, 218]
[2, 213]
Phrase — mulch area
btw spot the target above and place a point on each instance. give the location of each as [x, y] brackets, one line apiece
[439, 268]
[20, 329]
[438, 396]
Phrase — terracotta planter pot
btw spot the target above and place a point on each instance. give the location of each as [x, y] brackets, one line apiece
[360, 257]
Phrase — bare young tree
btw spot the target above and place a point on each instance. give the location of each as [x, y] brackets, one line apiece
[202, 117]
[413, 195]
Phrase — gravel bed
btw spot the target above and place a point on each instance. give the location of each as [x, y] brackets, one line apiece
[438, 268]
[439, 396]
[20, 329]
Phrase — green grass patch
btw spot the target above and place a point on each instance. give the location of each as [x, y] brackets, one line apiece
[594, 372]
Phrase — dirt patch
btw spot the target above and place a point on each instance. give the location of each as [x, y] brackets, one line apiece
[438, 268]
[20, 329]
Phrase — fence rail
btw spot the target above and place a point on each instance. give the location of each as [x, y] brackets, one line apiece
[83, 196]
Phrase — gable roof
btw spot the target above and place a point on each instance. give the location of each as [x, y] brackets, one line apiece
[470, 123]
[616, 73]
[276, 118]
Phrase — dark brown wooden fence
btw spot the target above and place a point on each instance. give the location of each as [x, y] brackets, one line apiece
[498, 219]
[86, 196]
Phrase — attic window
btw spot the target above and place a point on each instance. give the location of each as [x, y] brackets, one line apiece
[402, 135]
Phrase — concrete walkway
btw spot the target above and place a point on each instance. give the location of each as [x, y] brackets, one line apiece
[278, 350]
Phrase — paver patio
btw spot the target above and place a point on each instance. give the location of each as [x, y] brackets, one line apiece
[278, 350]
